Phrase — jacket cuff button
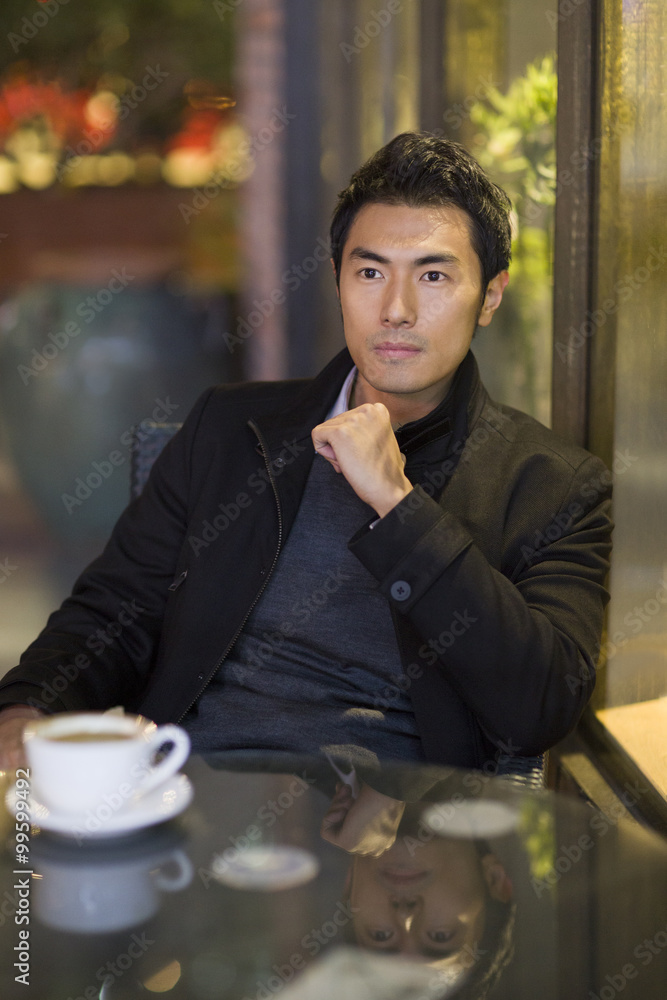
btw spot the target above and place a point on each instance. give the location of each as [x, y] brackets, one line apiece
[400, 590]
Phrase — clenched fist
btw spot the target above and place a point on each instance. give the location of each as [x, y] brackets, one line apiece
[361, 444]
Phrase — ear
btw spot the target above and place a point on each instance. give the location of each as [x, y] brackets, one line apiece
[335, 274]
[496, 878]
[493, 297]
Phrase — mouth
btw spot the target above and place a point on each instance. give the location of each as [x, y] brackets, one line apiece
[390, 349]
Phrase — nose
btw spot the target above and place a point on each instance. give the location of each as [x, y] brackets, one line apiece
[399, 309]
[406, 909]
[405, 904]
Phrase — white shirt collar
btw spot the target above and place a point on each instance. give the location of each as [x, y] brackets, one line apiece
[343, 402]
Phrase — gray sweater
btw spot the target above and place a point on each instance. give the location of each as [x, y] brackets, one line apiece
[316, 664]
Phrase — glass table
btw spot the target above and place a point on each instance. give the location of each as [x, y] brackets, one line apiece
[311, 879]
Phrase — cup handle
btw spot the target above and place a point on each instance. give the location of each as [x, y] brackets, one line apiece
[175, 758]
[172, 883]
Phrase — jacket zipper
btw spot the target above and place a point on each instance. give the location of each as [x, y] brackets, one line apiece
[178, 581]
[265, 456]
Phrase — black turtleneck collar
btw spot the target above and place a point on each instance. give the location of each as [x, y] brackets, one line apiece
[446, 424]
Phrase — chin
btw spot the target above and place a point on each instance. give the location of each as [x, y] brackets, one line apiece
[398, 383]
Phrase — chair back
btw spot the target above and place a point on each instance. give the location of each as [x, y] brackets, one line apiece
[148, 440]
[526, 772]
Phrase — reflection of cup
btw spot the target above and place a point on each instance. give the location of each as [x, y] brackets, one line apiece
[93, 894]
[99, 762]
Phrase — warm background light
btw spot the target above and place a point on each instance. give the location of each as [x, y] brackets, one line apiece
[165, 979]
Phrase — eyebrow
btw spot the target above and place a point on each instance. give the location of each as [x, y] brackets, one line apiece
[361, 253]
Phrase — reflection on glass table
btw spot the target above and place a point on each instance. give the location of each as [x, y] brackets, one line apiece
[312, 878]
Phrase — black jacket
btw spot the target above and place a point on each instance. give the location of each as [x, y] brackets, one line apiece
[496, 585]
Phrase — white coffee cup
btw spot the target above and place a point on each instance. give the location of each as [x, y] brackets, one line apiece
[84, 762]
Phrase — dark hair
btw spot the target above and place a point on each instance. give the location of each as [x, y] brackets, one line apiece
[496, 951]
[419, 169]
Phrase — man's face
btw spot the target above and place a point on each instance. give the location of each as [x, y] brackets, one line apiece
[411, 298]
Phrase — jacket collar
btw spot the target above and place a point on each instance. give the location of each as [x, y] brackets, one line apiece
[426, 440]
[309, 406]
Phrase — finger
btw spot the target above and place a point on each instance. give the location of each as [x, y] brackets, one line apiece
[333, 821]
[323, 447]
[343, 796]
[331, 461]
[334, 817]
[12, 756]
[381, 409]
[369, 852]
[336, 813]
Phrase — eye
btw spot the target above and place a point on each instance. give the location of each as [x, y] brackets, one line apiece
[370, 272]
[380, 936]
[440, 937]
[434, 276]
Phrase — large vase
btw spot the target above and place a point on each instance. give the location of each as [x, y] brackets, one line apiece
[79, 366]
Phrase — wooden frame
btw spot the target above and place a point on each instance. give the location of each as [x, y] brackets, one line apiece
[574, 257]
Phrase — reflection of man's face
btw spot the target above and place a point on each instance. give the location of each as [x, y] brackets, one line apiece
[430, 903]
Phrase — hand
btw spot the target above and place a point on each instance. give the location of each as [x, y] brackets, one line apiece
[13, 721]
[361, 444]
[365, 825]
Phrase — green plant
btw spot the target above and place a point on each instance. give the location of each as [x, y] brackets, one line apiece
[515, 141]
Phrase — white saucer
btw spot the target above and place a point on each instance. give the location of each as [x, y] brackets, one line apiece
[474, 818]
[158, 806]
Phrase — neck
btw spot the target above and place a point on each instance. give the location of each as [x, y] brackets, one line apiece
[403, 407]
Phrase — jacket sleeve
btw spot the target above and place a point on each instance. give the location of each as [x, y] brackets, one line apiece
[98, 649]
[519, 646]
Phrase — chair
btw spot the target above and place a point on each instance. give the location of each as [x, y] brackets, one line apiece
[148, 440]
[525, 772]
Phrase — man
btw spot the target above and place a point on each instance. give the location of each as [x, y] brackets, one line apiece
[379, 558]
